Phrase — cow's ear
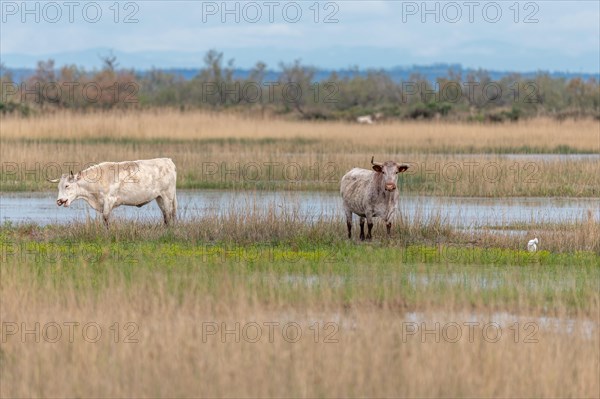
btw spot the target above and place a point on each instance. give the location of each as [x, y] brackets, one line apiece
[377, 168]
[78, 177]
[402, 168]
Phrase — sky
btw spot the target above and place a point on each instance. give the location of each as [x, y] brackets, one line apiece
[503, 35]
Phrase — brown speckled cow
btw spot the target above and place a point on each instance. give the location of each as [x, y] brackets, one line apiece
[371, 193]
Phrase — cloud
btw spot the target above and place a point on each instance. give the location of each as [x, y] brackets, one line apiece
[566, 36]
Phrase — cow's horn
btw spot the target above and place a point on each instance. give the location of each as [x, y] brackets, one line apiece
[53, 180]
[373, 161]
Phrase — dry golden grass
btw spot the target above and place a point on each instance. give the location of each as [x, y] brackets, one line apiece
[175, 357]
[196, 125]
[225, 150]
[258, 223]
[161, 280]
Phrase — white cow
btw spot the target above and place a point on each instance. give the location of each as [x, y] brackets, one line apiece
[365, 119]
[111, 184]
[371, 193]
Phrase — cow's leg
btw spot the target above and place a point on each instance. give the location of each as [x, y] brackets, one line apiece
[349, 221]
[165, 207]
[106, 212]
[388, 221]
[174, 208]
[362, 228]
[369, 225]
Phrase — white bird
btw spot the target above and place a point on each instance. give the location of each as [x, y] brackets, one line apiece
[532, 245]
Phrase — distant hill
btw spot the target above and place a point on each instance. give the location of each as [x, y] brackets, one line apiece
[429, 72]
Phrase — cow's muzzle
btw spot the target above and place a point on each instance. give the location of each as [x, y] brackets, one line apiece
[61, 202]
[390, 187]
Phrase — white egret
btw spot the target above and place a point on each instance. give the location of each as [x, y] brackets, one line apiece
[532, 245]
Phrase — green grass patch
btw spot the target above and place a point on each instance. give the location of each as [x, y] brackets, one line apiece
[295, 272]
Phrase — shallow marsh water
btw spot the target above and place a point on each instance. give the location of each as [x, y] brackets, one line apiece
[41, 208]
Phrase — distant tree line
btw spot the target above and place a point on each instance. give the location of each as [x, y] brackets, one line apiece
[296, 92]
